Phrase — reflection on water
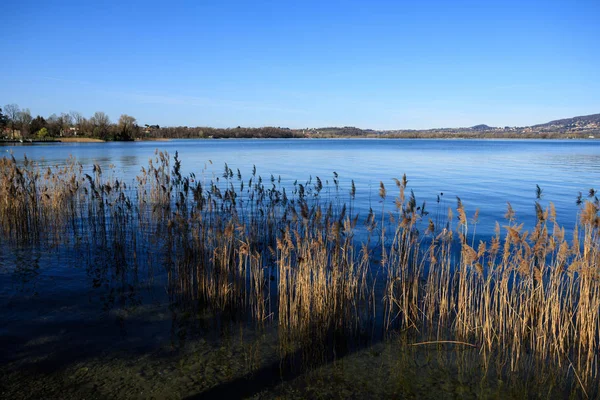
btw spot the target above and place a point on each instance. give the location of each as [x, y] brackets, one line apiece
[572, 163]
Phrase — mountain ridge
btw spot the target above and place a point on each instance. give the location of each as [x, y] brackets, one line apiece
[592, 118]
[584, 126]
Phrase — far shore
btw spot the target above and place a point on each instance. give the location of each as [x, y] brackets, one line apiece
[93, 140]
[341, 137]
[78, 140]
[153, 140]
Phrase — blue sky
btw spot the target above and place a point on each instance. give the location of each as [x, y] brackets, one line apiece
[376, 64]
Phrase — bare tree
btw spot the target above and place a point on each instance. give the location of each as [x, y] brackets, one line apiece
[78, 120]
[23, 120]
[127, 127]
[65, 123]
[12, 113]
[100, 119]
[100, 122]
[53, 123]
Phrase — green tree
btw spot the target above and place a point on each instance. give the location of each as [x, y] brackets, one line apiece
[42, 133]
[37, 123]
[3, 120]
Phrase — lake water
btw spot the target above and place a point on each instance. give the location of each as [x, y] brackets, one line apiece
[485, 174]
[70, 327]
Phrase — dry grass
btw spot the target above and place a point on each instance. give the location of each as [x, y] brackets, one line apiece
[238, 245]
[79, 140]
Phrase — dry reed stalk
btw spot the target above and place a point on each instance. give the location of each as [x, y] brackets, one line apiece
[521, 292]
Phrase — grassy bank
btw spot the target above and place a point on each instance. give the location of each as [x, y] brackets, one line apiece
[79, 140]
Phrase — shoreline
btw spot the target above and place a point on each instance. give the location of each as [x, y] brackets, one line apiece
[79, 140]
[95, 140]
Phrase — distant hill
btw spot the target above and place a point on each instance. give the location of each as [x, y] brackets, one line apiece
[580, 126]
[586, 126]
[584, 122]
[593, 119]
[346, 131]
[482, 127]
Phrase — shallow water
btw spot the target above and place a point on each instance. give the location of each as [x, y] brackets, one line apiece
[72, 325]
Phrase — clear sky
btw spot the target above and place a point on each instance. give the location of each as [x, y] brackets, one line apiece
[370, 64]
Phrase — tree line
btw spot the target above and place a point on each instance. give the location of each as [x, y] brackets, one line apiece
[184, 132]
[17, 123]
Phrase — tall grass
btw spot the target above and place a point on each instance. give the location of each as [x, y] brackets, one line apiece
[303, 258]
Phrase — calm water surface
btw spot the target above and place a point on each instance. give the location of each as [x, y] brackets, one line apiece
[68, 324]
[485, 174]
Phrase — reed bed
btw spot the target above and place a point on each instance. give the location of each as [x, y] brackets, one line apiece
[306, 261]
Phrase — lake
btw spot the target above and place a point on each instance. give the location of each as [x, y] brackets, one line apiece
[485, 174]
[75, 322]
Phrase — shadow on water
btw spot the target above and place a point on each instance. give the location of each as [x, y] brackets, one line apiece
[62, 336]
